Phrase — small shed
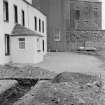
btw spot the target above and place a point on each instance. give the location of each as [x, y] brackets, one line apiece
[25, 45]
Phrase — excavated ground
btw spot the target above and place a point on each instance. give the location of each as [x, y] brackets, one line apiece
[14, 93]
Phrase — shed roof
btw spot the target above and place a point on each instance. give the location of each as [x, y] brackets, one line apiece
[20, 30]
[91, 0]
[98, 1]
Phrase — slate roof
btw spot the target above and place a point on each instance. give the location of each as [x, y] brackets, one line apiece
[91, 0]
[20, 30]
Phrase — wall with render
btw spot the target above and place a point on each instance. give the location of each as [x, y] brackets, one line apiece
[7, 27]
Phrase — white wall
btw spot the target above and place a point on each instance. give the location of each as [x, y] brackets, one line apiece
[3, 59]
[103, 14]
[7, 27]
[27, 55]
[39, 15]
[30, 12]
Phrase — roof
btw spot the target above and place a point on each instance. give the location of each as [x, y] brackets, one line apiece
[20, 30]
[34, 7]
[91, 0]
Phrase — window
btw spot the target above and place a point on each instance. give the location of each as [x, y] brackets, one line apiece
[96, 12]
[5, 11]
[22, 43]
[38, 45]
[85, 21]
[39, 25]
[15, 14]
[23, 18]
[43, 26]
[35, 23]
[77, 14]
[7, 44]
[57, 36]
[86, 11]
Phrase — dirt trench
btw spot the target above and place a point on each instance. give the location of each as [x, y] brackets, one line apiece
[13, 94]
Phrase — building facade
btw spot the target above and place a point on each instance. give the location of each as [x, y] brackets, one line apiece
[67, 16]
[23, 33]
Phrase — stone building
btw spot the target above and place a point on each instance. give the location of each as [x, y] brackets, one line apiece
[65, 17]
[23, 33]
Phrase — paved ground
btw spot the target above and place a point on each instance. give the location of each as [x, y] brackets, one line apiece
[72, 62]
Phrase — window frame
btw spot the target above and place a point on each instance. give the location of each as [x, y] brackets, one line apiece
[5, 11]
[21, 43]
[7, 44]
[43, 27]
[57, 36]
[77, 14]
[23, 17]
[39, 25]
[38, 45]
[35, 20]
[96, 12]
[43, 44]
[15, 14]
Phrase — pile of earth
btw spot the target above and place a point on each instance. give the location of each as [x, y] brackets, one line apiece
[67, 89]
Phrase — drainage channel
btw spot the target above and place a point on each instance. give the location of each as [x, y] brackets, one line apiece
[14, 93]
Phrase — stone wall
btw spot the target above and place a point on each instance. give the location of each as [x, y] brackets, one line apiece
[85, 15]
[69, 15]
[79, 38]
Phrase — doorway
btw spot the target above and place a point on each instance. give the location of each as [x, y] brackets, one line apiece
[43, 46]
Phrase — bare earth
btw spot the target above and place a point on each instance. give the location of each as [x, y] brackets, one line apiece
[69, 92]
[71, 62]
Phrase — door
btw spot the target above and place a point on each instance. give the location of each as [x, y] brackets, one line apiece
[43, 46]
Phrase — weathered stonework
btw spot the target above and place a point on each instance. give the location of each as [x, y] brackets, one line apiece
[68, 16]
[85, 15]
[89, 38]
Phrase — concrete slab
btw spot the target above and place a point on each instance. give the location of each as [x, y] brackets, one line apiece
[6, 84]
[71, 62]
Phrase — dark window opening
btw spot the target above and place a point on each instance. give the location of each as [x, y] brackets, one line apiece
[43, 26]
[38, 45]
[23, 18]
[77, 14]
[86, 21]
[5, 11]
[22, 43]
[95, 13]
[15, 14]
[39, 25]
[96, 8]
[43, 46]
[35, 23]
[7, 45]
[86, 11]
